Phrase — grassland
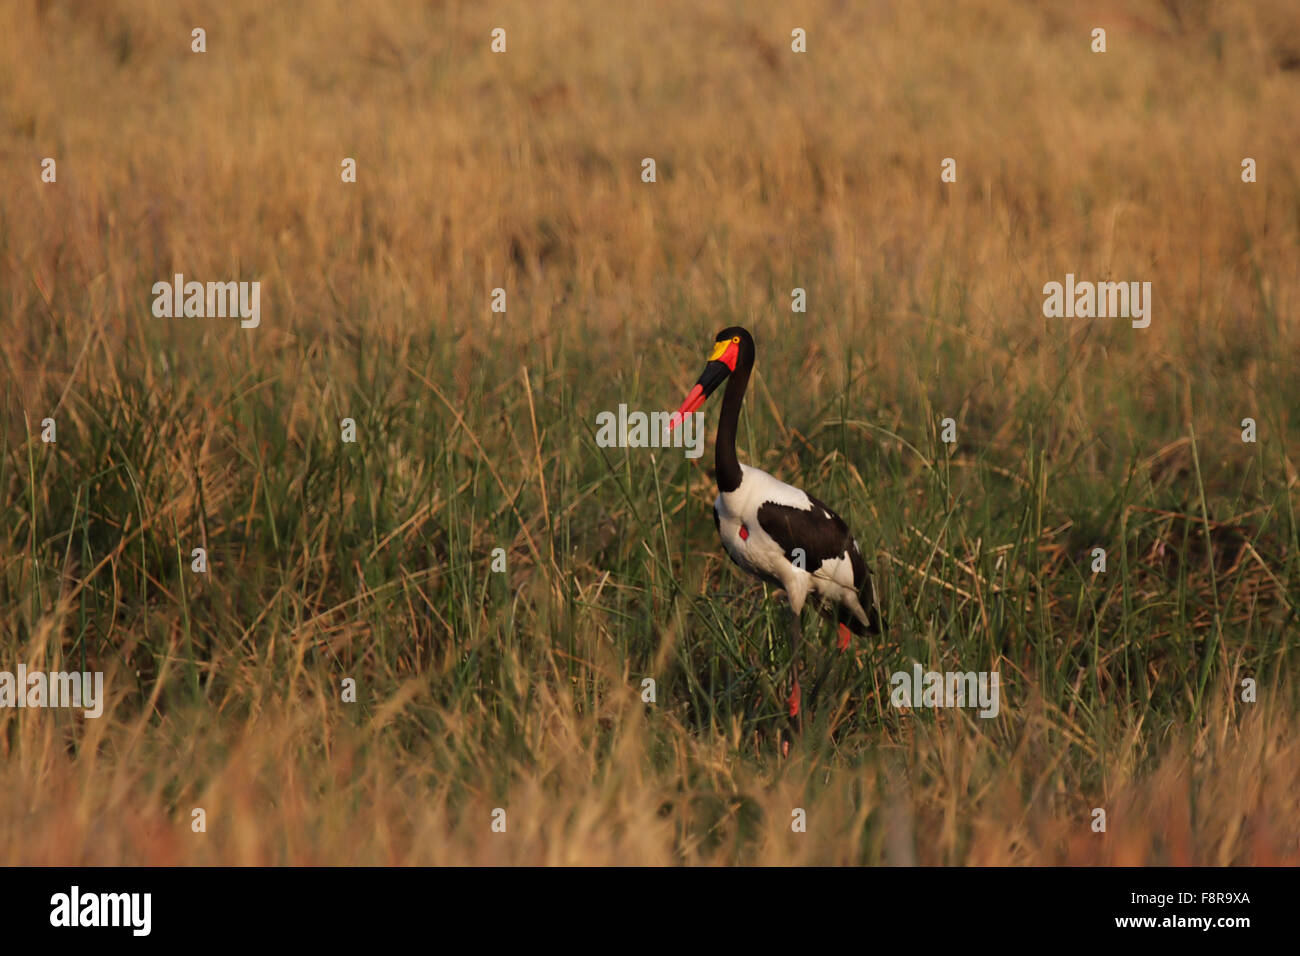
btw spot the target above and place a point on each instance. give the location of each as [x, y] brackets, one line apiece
[522, 690]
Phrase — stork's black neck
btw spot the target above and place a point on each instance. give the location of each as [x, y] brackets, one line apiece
[724, 445]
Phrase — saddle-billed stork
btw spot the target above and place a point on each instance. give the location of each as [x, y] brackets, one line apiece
[774, 531]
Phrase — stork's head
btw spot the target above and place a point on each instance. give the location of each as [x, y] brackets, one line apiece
[732, 348]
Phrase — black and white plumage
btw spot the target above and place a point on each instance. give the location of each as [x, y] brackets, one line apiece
[775, 531]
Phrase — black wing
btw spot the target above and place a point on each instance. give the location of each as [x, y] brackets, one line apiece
[822, 535]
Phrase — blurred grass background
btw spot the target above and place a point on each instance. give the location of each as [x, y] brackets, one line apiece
[521, 690]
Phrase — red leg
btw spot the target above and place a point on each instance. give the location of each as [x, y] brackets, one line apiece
[845, 636]
[796, 632]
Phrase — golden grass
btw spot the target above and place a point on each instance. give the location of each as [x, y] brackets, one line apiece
[293, 784]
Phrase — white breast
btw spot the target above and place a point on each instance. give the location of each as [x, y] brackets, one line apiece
[758, 553]
[757, 487]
